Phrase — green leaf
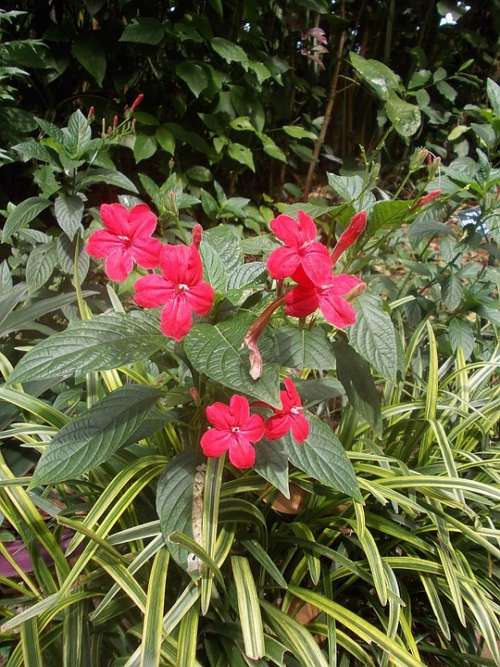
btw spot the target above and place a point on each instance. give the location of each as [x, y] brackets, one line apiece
[66, 258]
[153, 618]
[452, 292]
[446, 90]
[174, 502]
[303, 348]
[166, 139]
[194, 76]
[298, 132]
[33, 150]
[216, 352]
[352, 189]
[461, 335]
[271, 148]
[390, 213]
[144, 147]
[90, 54]
[40, 265]
[109, 176]
[374, 337]
[143, 30]
[104, 343]
[419, 78]
[96, 435]
[457, 132]
[323, 458]
[493, 91]
[242, 124]
[261, 71]
[245, 274]
[78, 134]
[425, 225]
[272, 464]
[248, 608]
[354, 373]
[222, 257]
[23, 214]
[241, 154]
[69, 213]
[378, 76]
[229, 51]
[5, 277]
[405, 117]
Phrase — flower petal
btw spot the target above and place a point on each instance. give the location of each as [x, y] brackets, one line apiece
[343, 283]
[115, 218]
[118, 264]
[176, 318]
[146, 252]
[282, 262]
[153, 291]
[242, 453]
[181, 264]
[301, 301]
[142, 221]
[293, 394]
[337, 310]
[220, 415]
[201, 298]
[277, 426]
[240, 409]
[254, 428]
[317, 263]
[214, 443]
[287, 230]
[299, 428]
[102, 242]
[307, 227]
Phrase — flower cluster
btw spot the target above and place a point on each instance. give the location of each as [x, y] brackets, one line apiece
[309, 263]
[236, 430]
[127, 240]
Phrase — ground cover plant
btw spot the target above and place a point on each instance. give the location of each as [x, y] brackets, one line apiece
[248, 419]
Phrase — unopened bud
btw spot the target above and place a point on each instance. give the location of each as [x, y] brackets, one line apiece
[136, 102]
[91, 114]
[350, 235]
[196, 235]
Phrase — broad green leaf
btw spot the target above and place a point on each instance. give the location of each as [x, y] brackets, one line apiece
[104, 343]
[166, 139]
[40, 265]
[90, 54]
[374, 337]
[390, 213]
[298, 132]
[261, 71]
[174, 503]
[426, 224]
[354, 373]
[248, 608]
[222, 258]
[33, 150]
[493, 90]
[93, 437]
[272, 464]
[216, 352]
[109, 176]
[419, 78]
[23, 214]
[78, 135]
[230, 51]
[144, 147]
[5, 277]
[452, 292]
[461, 335]
[243, 124]
[351, 189]
[66, 258]
[143, 30]
[245, 274]
[405, 117]
[241, 154]
[320, 389]
[378, 76]
[69, 213]
[271, 148]
[446, 90]
[194, 76]
[303, 348]
[323, 458]
[51, 130]
[457, 132]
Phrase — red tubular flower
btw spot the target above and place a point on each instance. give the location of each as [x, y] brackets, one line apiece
[330, 297]
[290, 417]
[126, 239]
[136, 102]
[234, 430]
[350, 235]
[300, 249]
[426, 199]
[180, 290]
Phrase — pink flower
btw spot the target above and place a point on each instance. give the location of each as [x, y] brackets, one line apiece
[426, 199]
[301, 249]
[126, 239]
[180, 290]
[330, 298]
[290, 417]
[350, 235]
[234, 430]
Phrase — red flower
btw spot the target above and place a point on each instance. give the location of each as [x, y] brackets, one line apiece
[126, 239]
[350, 235]
[180, 290]
[301, 249]
[426, 199]
[330, 298]
[290, 417]
[234, 430]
